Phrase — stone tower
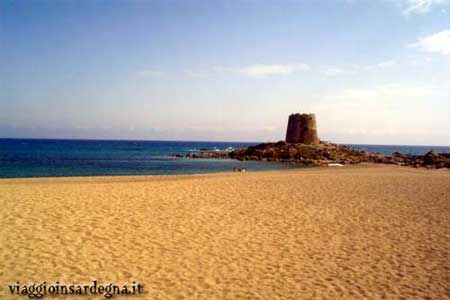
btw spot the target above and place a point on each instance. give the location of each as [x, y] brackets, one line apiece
[293, 129]
[302, 128]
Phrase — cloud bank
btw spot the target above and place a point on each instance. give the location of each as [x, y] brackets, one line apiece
[434, 43]
[262, 71]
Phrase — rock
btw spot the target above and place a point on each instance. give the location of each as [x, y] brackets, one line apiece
[431, 157]
[323, 154]
[280, 144]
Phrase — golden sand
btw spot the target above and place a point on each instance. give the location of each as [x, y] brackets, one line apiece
[373, 232]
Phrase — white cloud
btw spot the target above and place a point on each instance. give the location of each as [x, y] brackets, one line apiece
[381, 65]
[262, 71]
[335, 71]
[378, 113]
[267, 70]
[391, 91]
[151, 73]
[195, 73]
[411, 7]
[434, 43]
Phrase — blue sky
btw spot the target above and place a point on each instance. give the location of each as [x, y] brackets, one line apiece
[372, 71]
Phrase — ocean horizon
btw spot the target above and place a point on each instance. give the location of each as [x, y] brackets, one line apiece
[20, 158]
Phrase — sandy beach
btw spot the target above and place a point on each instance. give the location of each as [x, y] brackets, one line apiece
[365, 232]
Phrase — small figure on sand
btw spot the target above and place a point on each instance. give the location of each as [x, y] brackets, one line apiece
[239, 169]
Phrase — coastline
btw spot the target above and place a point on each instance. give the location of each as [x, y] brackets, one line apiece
[159, 177]
[55, 158]
[363, 231]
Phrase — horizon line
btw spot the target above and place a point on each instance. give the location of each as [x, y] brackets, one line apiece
[204, 141]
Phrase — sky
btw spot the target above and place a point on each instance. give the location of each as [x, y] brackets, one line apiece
[373, 72]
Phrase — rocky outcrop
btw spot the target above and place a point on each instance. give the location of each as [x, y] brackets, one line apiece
[205, 154]
[324, 154]
[304, 154]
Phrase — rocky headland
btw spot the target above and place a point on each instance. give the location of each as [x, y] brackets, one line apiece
[303, 147]
[324, 154]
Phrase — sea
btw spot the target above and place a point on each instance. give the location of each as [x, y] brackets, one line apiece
[56, 157]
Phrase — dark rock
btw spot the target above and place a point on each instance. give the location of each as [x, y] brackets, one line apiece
[431, 157]
[323, 154]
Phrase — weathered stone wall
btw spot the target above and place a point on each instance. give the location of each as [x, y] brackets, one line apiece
[308, 129]
[293, 129]
[302, 128]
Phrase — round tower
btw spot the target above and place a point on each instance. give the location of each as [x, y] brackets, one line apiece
[308, 129]
[293, 129]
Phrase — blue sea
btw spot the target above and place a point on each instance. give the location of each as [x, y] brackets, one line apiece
[52, 158]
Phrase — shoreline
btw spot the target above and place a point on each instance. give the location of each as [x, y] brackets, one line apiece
[163, 177]
[36, 158]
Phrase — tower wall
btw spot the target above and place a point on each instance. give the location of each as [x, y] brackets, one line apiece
[293, 129]
[302, 128]
[308, 129]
